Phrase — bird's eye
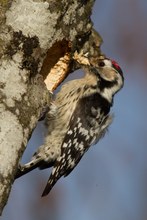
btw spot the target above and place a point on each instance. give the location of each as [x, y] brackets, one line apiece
[101, 64]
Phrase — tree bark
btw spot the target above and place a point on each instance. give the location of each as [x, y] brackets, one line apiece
[34, 36]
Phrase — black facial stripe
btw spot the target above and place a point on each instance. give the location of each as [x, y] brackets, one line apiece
[106, 84]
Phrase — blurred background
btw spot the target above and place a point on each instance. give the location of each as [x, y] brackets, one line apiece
[110, 182]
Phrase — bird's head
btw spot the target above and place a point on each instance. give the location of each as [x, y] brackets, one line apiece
[111, 78]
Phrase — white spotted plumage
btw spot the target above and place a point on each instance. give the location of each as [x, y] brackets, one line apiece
[82, 117]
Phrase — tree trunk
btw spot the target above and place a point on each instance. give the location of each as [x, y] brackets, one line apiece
[36, 37]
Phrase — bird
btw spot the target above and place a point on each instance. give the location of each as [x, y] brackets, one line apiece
[78, 119]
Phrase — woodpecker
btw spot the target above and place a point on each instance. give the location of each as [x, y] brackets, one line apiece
[82, 118]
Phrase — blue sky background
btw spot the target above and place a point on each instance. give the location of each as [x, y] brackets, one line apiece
[110, 182]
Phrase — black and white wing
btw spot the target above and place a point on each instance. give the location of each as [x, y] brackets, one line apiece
[86, 126]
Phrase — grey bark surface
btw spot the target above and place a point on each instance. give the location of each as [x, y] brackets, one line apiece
[28, 32]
